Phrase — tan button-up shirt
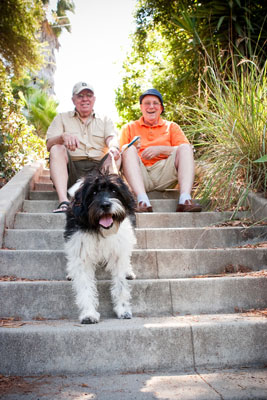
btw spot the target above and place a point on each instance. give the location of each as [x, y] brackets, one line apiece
[92, 134]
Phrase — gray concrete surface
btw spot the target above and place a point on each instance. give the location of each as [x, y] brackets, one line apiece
[166, 264]
[48, 346]
[227, 384]
[13, 194]
[258, 206]
[147, 264]
[150, 297]
[151, 238]
[34, 219]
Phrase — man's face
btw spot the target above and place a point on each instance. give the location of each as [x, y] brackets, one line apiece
[84, 102]
[151, 109]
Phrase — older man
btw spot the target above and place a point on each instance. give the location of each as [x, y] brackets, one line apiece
[163, 156]
[77, 141]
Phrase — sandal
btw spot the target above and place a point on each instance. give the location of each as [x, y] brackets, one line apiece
[62, 207]
[189, 206]
[142, 207]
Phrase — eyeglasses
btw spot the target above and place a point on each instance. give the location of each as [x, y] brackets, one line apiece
[149, 104]
[84, 96]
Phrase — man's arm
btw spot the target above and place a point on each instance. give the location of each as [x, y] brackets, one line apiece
[56, 135]
[113, 145]
[125, 136]
[71, 142]
[154, 151]
[55, 140]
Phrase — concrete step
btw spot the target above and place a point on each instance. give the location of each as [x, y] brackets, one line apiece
[151, 238]
[44, 186]
[150, 297]
[140, 344]
[147, 264]
[50, 202]
[45, 172]
[38, 220]
[42, 195]
[44, 178]
[207, 384]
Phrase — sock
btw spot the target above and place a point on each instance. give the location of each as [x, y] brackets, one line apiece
[183, 197]
[144, 198]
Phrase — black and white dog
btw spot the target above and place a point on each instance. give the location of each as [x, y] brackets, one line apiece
[99, 230]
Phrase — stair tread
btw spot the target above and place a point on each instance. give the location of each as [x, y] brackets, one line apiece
[149, 296]
[237, 383]
[161, 322]
[133, 345]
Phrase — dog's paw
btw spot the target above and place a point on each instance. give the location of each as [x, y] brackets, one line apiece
[125, 315]
[130, 276]
[90, 319]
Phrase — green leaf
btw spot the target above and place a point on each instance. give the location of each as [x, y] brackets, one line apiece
[262, 159]
[220, 22]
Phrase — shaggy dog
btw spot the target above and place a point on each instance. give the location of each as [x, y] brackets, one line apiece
[99, 231]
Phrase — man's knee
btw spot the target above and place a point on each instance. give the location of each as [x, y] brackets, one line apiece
[58, 151]
[184, 154]
[184, 147]
[130, 153]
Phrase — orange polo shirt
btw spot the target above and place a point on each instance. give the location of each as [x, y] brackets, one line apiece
[164, 134]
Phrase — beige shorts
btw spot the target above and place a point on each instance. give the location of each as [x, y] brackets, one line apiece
[160, 176]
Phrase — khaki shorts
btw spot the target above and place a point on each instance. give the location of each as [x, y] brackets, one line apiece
[78, 169]
[160, 176]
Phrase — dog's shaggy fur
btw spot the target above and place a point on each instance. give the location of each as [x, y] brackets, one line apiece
[99, 230]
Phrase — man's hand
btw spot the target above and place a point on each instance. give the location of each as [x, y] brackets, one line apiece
[115, 152]
[151, 152]
[71, 142]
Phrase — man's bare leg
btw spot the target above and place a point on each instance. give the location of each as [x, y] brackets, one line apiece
[59, 171]
[184, 163]
[133, 175]
[185, 166]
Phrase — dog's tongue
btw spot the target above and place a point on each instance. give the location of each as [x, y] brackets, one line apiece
[106, 221]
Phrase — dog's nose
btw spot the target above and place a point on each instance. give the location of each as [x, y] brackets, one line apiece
[106, 205]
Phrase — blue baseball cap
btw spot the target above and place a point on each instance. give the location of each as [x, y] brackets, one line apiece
[151, 92]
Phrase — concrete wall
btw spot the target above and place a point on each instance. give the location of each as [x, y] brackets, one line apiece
[14, 192]
[258, 205]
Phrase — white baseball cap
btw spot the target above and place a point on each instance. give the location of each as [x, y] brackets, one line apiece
[78, 87]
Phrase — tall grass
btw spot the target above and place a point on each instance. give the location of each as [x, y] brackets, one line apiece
[229, 128]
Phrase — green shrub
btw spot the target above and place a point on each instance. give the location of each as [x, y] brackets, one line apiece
[18, 143]
[229, 125]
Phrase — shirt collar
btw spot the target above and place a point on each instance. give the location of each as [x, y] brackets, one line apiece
[75, 113]
[142, 122]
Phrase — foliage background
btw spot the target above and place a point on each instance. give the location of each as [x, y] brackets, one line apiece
[208, 59]
[18, 143]
[27, 40]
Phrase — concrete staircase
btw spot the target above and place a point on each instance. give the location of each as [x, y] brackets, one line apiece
[197, 302]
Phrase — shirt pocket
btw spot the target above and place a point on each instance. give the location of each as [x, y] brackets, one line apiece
[98, 138]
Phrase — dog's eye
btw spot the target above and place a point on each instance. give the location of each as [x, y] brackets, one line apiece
[114, 191]
[94, 193]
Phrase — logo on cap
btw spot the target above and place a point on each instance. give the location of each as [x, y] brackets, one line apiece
[78, 87]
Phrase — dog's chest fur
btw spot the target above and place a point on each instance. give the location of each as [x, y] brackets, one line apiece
[101, 249]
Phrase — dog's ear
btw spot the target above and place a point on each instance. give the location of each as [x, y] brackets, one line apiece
[81, 196]
[77, 206]
[127, 195]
